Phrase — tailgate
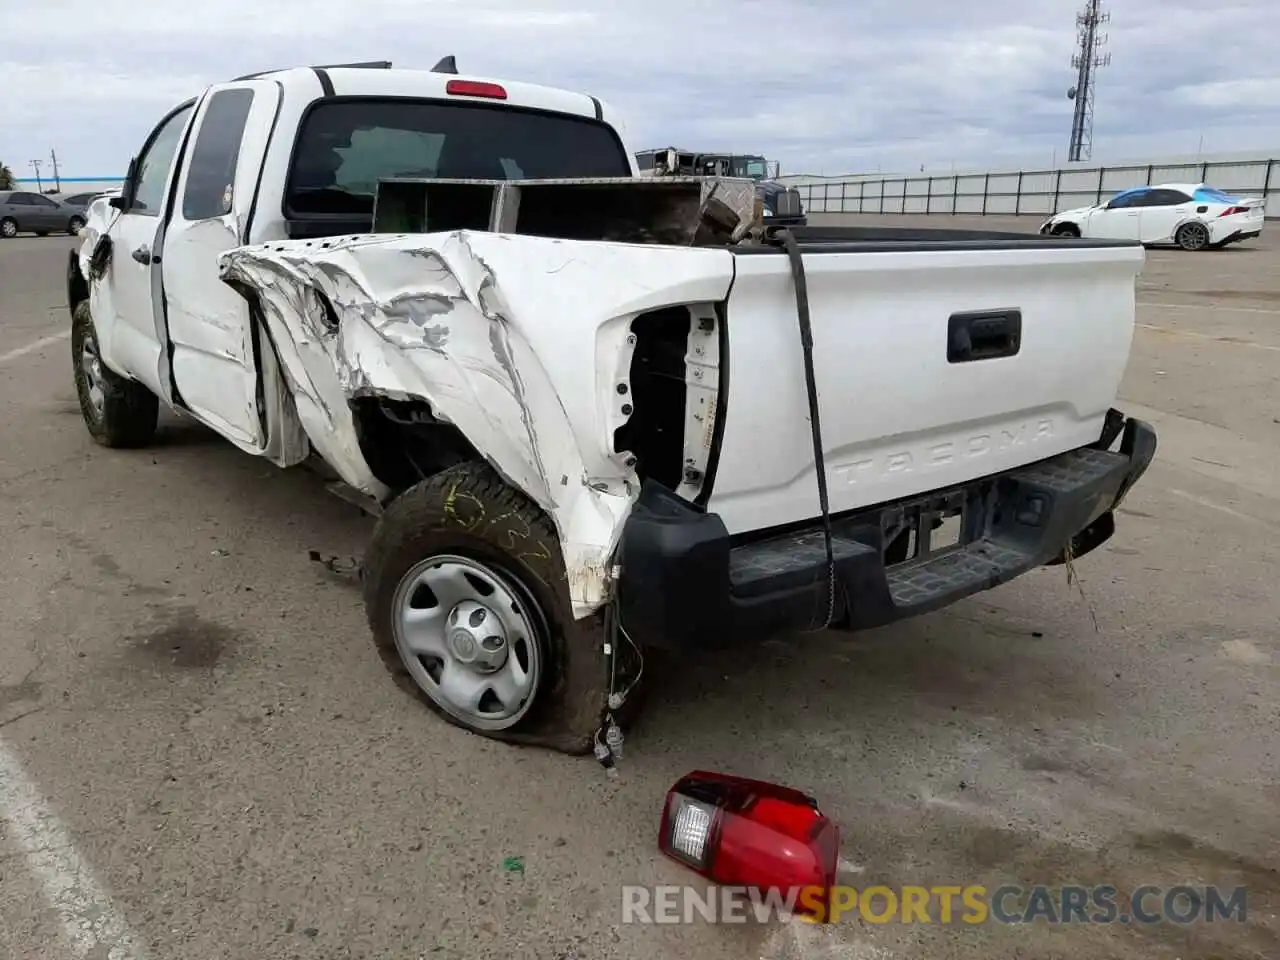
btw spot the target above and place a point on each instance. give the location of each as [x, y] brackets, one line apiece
[904, 410]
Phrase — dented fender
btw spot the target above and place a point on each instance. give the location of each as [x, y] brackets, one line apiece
[521, 342]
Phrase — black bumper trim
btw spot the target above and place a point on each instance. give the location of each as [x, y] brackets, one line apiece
[687, 584]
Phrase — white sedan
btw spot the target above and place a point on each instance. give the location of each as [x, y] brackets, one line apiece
[1193, 216]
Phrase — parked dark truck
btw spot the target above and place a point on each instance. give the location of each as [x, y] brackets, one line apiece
[596, 414]
[781, 204]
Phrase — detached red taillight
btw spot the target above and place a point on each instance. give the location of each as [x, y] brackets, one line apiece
[740, 832]
[475, 88]
[1232, 211]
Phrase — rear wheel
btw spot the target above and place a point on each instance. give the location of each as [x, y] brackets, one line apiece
[1192, 236]
[468, 604]
[117, 411]
[8, 228]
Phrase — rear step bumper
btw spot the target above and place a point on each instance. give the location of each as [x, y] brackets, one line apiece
[686, 583]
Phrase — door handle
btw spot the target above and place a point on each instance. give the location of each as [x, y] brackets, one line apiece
[983, 335]
[143, 256]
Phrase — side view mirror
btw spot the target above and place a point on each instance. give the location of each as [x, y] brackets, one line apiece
[124, 200]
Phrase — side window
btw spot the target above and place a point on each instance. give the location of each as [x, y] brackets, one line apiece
[155, 163]
[645, 161]
[1128, 200]
[20, 199]
[211, 173]
[40, 201]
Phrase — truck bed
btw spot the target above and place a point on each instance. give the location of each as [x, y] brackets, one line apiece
[939, 356]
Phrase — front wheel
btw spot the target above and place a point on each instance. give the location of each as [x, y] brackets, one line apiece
[118, 412]
[468, 604]
[1192, 236]
[75, 225]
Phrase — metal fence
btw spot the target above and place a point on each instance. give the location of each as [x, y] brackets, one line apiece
[1028, 191]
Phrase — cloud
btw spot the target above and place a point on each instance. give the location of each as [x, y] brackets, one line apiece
[821, 85]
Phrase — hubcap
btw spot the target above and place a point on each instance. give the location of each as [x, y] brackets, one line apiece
[91, 365]
[471, 638]
[1196, 236]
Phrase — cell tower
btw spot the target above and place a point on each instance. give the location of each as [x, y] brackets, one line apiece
[1086, 61]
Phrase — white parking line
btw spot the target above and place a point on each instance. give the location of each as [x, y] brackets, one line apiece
[91, 924]
[1204, 336]
[1205, 307]
[33, 347]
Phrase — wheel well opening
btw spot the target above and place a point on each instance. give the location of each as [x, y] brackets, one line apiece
[77, 285]
[403, 441]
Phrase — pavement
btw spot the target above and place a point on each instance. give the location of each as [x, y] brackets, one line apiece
[202, 757]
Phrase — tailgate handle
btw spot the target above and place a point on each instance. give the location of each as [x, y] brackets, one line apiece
[983, 335]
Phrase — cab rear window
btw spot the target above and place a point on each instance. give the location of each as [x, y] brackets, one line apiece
[345, 147]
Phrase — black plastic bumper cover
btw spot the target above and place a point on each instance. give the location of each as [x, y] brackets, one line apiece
[686, 583]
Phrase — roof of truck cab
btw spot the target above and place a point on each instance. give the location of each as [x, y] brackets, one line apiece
[367, 82]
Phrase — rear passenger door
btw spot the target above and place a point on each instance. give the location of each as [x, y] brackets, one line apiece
[1162, 212]
[212, 342]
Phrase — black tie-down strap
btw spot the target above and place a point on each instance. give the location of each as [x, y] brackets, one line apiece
[788, 241]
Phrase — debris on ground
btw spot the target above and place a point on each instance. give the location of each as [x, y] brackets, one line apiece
[347, 568]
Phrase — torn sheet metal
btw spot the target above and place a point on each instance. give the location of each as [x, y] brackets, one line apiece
[521, 342]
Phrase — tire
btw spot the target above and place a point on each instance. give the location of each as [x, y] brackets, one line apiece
[121, 413]
[464, 526]
[8, 228]
[75, 225]
[1067, 230]
[1192, 236]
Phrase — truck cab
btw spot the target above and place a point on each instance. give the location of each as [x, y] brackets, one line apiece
[781, 204]
[290, 154]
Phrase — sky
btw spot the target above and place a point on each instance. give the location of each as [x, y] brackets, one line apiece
[823, 86]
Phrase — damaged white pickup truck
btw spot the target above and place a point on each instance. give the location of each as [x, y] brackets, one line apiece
[596, 414]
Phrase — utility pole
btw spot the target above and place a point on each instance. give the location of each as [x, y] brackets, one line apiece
[35, 165]
[57, 181]
[1087, 60]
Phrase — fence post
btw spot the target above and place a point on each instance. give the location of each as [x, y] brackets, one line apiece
[882, 183]
[1057, 191]
[955, 192]
[862, 195]
[904, 196]
[1151, 168]
[1266, 182]
[928, 196]
[1101, 171]
[1204, 171]
[843, 185]
[1017, 201]
[986, 186]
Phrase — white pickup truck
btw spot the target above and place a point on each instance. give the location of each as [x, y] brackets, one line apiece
[582, 449]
